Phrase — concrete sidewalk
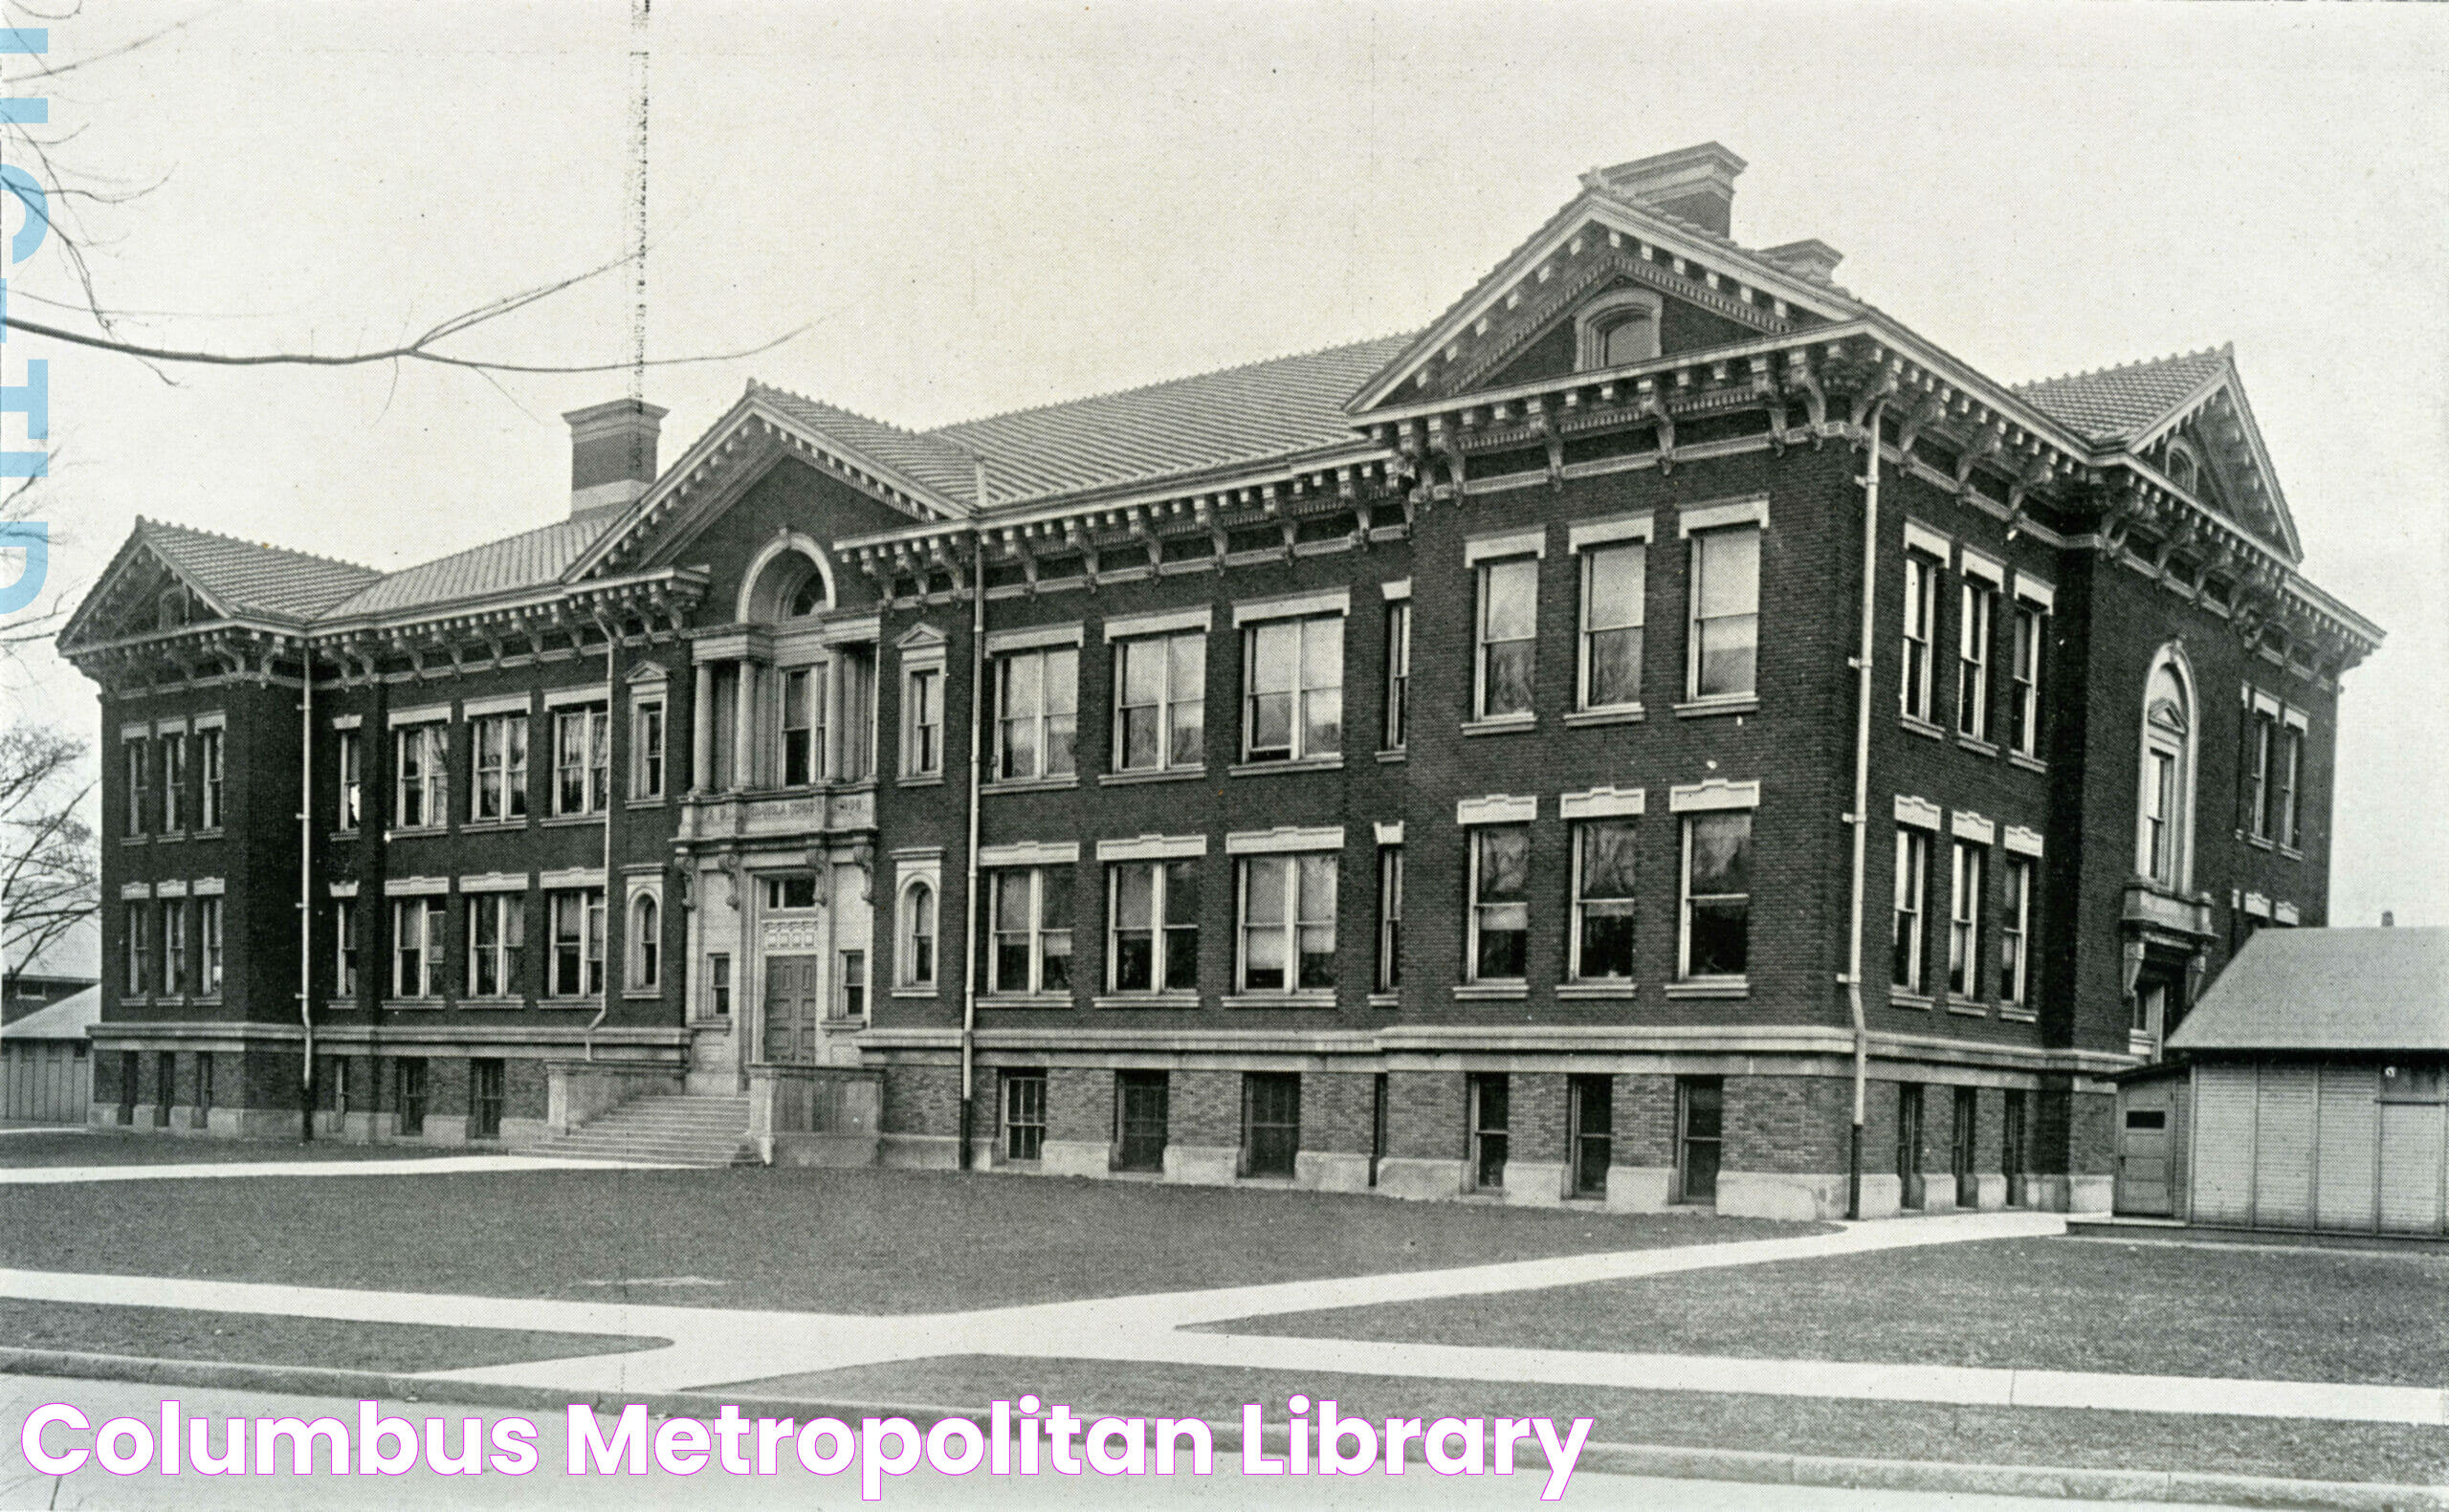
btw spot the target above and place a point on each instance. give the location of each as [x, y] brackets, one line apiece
[420, 1166]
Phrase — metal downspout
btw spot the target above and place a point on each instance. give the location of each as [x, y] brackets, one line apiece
[306, 888]
[970, 964]
[1859, 818]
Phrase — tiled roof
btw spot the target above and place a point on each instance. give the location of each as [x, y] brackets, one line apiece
[1237, 417]
[528, 559]
[2328, 990]
[2115, 403]
[252, 578]
[925, 459]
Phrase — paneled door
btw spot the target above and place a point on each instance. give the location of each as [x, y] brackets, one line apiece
[793, 1006]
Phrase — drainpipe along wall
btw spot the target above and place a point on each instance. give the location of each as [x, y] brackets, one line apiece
[306, 888]
[1860, 814]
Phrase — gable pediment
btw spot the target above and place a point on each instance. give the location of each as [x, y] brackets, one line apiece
[2211, 449]
[920, 637]
[142, 593]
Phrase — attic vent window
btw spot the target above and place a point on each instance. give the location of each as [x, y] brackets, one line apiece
[810, 598]
[1618, 330]
[170, 610]
[2184, 471]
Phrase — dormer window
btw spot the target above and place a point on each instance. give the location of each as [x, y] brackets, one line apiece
[1617, 330]
[2184, 468]
[170, 609]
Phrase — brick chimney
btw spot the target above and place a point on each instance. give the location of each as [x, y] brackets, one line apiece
[612, 452]
[1695, 183]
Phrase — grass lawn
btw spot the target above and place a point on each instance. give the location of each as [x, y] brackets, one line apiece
[879, 1242]
[2367, 1452]
[111, 1147]
[2376, 1316]
[176, 1333]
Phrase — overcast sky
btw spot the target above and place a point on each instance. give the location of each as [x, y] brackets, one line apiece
[982, 208]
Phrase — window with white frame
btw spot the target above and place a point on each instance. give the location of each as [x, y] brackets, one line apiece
[421, 782]
[1921, 619]
[1152, 913]
[1507, 637]
[1717, 895]
[1974, 635]
[578, 942]
[2015, 961]
[208, 944]
[1030, 907]
[2287, 799]
[1159, 700]
[1037, 712]
[174, 783]
[1603, 899]
[1908, 955]
[917, 952]
[646, 942]
[349, 757]
[792, 892]
[855, 671]
[496, 932]
[1499, 920]
[646, 731]
[1971, 862]
[345, 947]
[208, 750]
[923, 721]
[1287, 909]
[802, 725]
[136, 767]
[1613, 607]
[1390, 918]
[851, 984]
[582, 760]
[1293, 680]
[2164, 836]
[2023, 700]
[500, 744]
[2261, 739]
[1725, 630]
[416, 946]
[174, 948]
[1399, 673]
[139, 948]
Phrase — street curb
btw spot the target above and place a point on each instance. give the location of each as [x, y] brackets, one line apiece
[1664, 1461]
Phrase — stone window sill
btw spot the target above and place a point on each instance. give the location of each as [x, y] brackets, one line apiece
[1294, 999]
[1034, 785]
[1920, 727]
[2255, 841]
[1595, 992]
[1583, 718]
[922, 994]
[1510, 724]
[497, 1005]
[1165, 999]
[2029, 763]
[418, 832]
[1394, 755]
[171, 837]
[1332, 763]
[215, 833]
[1707, 708]
[1491, 992]
[1967, 1008]
[1385, 999]
[641, 995]
[1978, 747]
[572, 820]
[1711, 987]
[656, 802]
[480, 826]
[406, 1005]
[135, 840]
[1183, 773]
[2019, 1015]
[340, 836]
[1899, 999]
[923, 780]
[2292, 853]
[341, 1005]
[596, 1001]
[1024, 1000]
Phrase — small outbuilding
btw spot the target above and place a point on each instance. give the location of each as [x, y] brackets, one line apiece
[47, 1062]
[2316, 1085]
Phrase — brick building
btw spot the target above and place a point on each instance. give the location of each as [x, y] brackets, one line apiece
[1271, 776]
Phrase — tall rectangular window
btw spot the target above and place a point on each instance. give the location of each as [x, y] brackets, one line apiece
[422, 783]
[1287, 923]
[208, 749]
[416, 946]
[918, 935]
[502, 767]
[581, 760]
[578, 942]
[1037, 712]
[345, 948]
[1153, 926]
[719, 982]
[208, 944]
[1159, 700]
[175, 962]
[802, 730]
[136, 767]
[496, 932]
[486, 1077]
[1390, 918]
[1509, 637]
[408, 1088]
[923, 721]
[1399, 673]
[851, 984]
[1717, 894]
[1613, 607]
[1591, 1132]
[1912, 891]
[2159, 814]
[2023, 702]
[2261, 747]
[1492, 1095]
[1270, 1123]
[1974, 627]
[1921, 619]
[1725, 630]
[2016, 931]
[175, 784]
[1500, 916]
[854, 668]
[646, 749]
[1024, 1115]
[1292, 678]
[1031, 910]
[1964, 919]
[350, 758]
[2288, 801]
[1603, 899]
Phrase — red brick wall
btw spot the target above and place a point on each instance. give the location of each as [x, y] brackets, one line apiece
[1425, 1115]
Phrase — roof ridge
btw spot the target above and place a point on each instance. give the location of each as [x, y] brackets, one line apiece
[142, 525]
[2226, 349]
[1168, 382]
[754, 386]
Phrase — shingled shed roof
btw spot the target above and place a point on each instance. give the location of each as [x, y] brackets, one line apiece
[529, 559]
[2115, 403]
[250, 578]
[2328, 990]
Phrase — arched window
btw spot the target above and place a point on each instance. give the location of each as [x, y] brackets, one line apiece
[787, 582]
[2184, 468]
[1617, 330]
[2164, 831]
[646, 942]
[170, 609]
[918, 935]
[810, 598]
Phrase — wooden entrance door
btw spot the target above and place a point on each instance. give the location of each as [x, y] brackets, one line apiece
[1700, 1134]
[2146, 1137]
[793, 1004]
[1142, 1143]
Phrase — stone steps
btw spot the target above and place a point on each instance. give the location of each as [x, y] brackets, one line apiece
[662, 1130]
